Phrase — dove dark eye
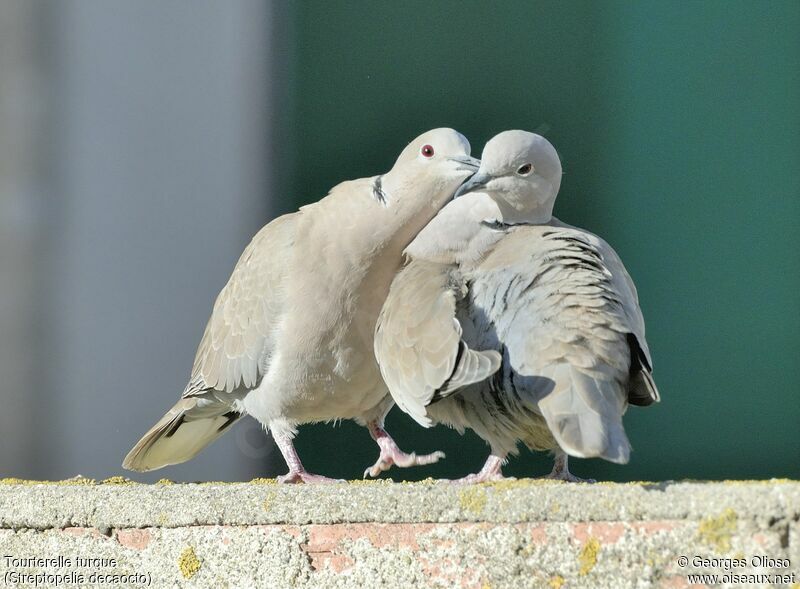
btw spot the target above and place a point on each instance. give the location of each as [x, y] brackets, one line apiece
[524, 170]
[427, 150]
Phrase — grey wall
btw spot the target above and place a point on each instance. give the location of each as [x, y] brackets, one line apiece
[22, 120]
[157, 148]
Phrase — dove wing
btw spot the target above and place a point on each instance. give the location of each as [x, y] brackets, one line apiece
[418, 341]
[236, 345]
[642, 387]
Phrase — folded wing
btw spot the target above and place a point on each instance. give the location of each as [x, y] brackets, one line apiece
[418, 341]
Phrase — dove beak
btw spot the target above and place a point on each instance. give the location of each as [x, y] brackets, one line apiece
[473, 183]
[466, 163]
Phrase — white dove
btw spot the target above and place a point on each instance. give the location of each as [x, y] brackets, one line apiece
[551, 306]
[290, 339]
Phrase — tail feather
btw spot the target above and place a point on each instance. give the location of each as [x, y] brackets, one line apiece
[191, 425]
[642, 388]
[585, 415]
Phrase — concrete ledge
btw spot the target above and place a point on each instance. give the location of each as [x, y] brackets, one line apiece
[515, 534]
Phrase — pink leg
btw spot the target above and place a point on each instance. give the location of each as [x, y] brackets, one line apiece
[561, 471]
[392, 455]
[492, 471]
[296, 474]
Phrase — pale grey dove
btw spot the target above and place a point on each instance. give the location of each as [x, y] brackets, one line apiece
[495, 281]
[290, 339]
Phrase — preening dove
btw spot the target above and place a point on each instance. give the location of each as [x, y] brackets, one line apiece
[509, 322]
[290, 339]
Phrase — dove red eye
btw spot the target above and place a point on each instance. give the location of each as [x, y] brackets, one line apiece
[427, 150]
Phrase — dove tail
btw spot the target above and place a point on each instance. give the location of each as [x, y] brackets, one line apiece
[191, 425]
[585, 415]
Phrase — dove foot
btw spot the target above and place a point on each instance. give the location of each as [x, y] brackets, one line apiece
[294, 477]
[567, 477]
[481, 478]
[392, 455]
[297, 473]
[561, 471]
[491, 472]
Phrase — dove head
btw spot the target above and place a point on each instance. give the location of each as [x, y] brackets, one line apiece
[521, 172]
[428, 171]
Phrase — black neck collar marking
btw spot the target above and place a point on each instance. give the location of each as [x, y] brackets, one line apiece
[377, 190]
[501, 225]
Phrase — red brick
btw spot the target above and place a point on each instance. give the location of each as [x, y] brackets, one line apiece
[133, 538]
[93, 532]
[606, 532]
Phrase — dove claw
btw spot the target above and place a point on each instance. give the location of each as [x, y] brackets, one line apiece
[561, 471]
[492, 471]
[294, 477]
[392, 455]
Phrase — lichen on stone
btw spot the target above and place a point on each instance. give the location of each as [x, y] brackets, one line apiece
[587, 557]
[472, 499]
[369, 482]
[118, 480]
[188, 563]
[507, 484]
[78, 480]
[556, 581]
[718, 531]
[268, 500]
[16, 481]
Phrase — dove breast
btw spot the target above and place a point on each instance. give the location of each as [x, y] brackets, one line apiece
[460, 234]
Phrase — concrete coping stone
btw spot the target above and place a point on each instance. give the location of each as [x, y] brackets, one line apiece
[120, 503]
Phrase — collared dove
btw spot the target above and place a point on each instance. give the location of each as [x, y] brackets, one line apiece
[290, 339]
[551, 308]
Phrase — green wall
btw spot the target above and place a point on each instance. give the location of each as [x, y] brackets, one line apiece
[679, 128]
